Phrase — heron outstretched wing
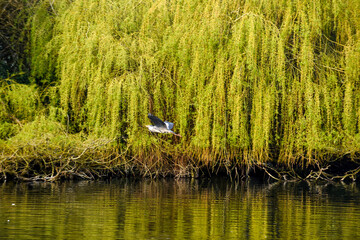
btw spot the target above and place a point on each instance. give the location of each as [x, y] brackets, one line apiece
[156, 121]
[169, 125]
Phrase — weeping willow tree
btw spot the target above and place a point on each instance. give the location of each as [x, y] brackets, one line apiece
[244, 81]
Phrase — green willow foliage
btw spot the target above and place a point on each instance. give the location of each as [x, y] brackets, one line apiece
[242, 80]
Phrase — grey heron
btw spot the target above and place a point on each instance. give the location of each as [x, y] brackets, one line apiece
[160, 126]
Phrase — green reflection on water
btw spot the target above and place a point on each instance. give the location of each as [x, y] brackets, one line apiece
[169, 209]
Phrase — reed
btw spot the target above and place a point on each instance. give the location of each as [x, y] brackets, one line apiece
[246, 82]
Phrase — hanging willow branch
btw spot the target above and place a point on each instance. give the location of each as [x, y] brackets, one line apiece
[243, 81]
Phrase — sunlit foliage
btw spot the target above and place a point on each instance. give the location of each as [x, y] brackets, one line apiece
[243, 81]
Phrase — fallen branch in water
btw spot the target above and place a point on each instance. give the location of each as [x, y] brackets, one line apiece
[352, 174]
[326, 173]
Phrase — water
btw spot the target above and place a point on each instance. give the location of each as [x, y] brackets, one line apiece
[184, 209]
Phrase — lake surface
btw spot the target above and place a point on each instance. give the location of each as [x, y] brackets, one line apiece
[179, 209]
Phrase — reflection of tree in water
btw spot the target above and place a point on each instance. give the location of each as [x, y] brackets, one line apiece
[184, 209]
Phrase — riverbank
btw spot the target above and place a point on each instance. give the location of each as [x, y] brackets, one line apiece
[251, 86]
[54, 157]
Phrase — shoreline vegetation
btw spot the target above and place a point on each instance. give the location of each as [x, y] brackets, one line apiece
[265, 88]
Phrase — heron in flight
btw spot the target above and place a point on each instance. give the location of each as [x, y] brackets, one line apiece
[160, 126]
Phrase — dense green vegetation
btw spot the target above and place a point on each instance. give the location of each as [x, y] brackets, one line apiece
[245, 82]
